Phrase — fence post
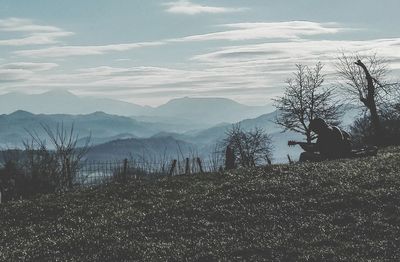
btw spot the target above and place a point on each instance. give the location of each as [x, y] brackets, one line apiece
[200, 165]
[229, 158]
[69, 175]
[187, 167]
[171, 171]
[125, 172]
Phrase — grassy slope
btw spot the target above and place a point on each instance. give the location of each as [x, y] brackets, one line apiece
[336, 210]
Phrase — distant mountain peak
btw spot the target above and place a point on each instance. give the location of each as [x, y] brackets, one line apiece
[21, 113]
[60, 101]
[201, 101]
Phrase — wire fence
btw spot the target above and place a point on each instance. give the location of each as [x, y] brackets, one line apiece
[96, 173]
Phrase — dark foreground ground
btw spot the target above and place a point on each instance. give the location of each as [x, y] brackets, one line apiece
[342, 210]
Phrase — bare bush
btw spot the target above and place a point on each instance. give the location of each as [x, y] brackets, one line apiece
[55, 169]
[362, 130]
[251, 147]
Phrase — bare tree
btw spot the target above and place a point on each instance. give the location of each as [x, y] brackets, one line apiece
[59, 165]
[251, 147]
[305, 99]
[364, 80]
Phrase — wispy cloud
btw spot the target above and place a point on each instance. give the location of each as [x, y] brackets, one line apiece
[280, 30]
[243, 70]
[22, 71]
[65, 51]
[247, 72]
[299, 51]
[14, 75]
[33, 34]
[14, 24]
[35, 67]
[292, 30]
[188, 8]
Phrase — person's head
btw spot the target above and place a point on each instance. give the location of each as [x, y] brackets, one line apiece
[318, 125]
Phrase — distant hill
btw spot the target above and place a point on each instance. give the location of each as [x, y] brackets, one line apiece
[64, 102]
[212, 134]
[105, 128]
[101, 126]
[208, 137]
[190, 113]
[145, 148]
[209, 110]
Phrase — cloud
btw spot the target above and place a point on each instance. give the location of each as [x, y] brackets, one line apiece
[22, 71]
[188, 8]
[250, 72]
[123, 59]
[292, 30]
[14, 75]
[34, 67]
[33, 34]
[65, 51]
[298, 51]
[246, 72]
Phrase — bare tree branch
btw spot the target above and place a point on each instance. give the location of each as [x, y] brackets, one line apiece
[304, 99]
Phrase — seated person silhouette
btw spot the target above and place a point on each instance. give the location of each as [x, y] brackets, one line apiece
[332, 143]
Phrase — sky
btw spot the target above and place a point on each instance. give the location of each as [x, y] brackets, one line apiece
[150, 51]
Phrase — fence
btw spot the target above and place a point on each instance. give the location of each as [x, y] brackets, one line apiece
[95, 173]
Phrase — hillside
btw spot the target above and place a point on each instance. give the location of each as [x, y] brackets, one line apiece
[341, 210]
[154, 147]
[101, 126]
[209, 111]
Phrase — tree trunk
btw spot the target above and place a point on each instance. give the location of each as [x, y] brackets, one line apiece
[376, 124]
[309, 138]
[370, 103]
[229, 158]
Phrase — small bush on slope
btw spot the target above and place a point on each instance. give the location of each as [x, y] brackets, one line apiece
[344, 209]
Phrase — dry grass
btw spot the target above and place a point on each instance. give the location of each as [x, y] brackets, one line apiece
[340, 210]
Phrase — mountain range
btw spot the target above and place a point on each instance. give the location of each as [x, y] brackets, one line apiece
[100, 126]
[118, 137]
[195, 124]
[189, 112]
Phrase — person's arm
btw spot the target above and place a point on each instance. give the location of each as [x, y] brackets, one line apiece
[309, 147]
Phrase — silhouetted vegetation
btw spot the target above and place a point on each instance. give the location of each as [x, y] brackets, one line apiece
[365, 80]
[305, 99]
[363, 133]
[40, 169]
[248, 148]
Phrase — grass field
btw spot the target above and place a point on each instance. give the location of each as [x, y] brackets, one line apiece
[341, 210]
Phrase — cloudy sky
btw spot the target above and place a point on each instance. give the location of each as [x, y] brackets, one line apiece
[148, 52]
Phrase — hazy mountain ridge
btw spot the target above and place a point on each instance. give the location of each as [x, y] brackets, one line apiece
[192, 121]
[144, 148]
[64, 102]
[209, 110]
[192, 112]
[99, 125]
